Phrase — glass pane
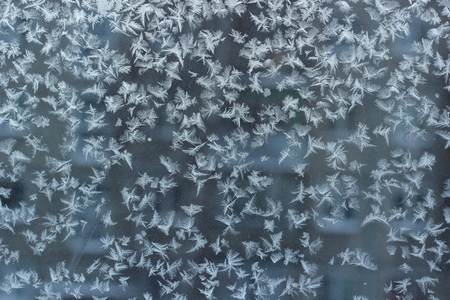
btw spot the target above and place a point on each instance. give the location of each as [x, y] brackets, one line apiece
[224, 149]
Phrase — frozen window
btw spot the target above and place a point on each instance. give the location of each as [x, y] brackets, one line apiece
[237, 149]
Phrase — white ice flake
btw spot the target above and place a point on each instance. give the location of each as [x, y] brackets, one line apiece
[236, 149]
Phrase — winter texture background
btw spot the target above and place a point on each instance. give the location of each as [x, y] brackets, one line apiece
[224, 149]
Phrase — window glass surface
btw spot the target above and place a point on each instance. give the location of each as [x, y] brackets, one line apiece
[237, 149]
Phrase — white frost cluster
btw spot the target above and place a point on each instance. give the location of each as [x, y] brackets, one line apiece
[236, 149]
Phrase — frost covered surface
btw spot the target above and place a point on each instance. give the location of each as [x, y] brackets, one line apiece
[224, 149]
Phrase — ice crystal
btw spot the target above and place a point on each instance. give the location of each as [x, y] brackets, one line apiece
[231, 149]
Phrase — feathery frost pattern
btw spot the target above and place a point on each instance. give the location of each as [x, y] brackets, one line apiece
[237, 149]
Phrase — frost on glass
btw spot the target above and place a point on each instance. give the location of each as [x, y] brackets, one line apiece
[224, 149]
